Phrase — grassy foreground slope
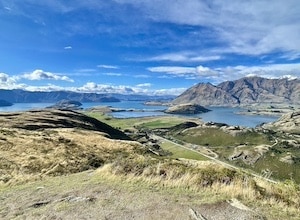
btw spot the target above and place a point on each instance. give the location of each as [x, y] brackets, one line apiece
[77, 171]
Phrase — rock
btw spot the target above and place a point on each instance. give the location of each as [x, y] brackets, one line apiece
[187, 109]
[289, 159]
[288, 123]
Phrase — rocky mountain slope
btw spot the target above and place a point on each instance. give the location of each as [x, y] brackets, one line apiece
[289, 123]
[248, 90]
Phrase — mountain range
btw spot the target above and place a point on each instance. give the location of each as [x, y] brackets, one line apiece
[22, 96]
[244, 91]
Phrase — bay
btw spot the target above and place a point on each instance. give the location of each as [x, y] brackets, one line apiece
[232, 116]
[225, 115]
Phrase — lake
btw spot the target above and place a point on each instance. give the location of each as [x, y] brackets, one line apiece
[218, 114]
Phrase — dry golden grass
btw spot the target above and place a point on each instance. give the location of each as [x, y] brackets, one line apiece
[27, 155]
[276, 201]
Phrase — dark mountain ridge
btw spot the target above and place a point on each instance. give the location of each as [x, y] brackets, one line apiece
[247, 90]
[22, 96]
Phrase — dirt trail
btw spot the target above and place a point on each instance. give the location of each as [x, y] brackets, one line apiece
[80, 197]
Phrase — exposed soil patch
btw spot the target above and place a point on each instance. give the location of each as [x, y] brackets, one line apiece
[81, 197]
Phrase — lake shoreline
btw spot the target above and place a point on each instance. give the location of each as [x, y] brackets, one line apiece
[128, 109]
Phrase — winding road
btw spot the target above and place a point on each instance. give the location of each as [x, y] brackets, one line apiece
[159, 138]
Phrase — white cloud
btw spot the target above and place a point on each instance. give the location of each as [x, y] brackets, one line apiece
[68, 47]
[174, 70]
[8, 82]
[42, 75]
[187, 72]
[144, 85]
[145, 76]
[138, 89]
[46, 88]
[104, 88]
[3, 78]
[108, 67]
[172, 91]
[112, 74]
[267, 71]
[244, 27]
[220, 74]
[183, 57]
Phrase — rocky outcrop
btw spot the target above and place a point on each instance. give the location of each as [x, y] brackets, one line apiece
[248, 90]
[186, 109]
[288, 123]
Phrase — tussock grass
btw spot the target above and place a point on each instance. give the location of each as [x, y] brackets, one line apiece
[30, 155]
[213, 181]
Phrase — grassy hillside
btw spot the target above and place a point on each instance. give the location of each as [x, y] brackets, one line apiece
[61, 171]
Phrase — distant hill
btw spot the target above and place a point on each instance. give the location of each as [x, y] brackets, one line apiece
[54, 118]
[22, 96]
[4, 103]
[186, 109]
[248, 90]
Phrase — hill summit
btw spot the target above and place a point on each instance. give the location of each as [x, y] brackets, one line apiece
[247, 90]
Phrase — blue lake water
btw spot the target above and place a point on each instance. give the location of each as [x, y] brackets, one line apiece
[230, 116]
[218, 114]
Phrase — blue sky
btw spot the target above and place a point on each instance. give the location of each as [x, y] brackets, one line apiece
[145, 46]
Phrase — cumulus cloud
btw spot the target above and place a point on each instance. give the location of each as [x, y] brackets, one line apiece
[8, 82]
[172, 91]
[187, 72]
[138, 89]
[104, 88]
[3, 78]
[42, 75]
[220, 74]
[290, 71]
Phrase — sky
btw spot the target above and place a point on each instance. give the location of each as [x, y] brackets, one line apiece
[153, 47]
